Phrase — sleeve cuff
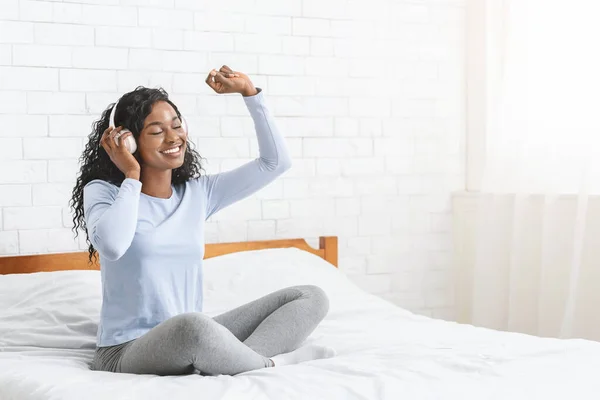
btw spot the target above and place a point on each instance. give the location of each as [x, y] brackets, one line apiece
[131, 185]
[253, 102]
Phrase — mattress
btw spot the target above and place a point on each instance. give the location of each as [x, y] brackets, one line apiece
[48, 322]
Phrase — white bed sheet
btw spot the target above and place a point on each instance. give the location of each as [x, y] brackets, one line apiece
[384, 352]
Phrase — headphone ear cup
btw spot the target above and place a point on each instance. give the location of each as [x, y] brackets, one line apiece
[129, 141]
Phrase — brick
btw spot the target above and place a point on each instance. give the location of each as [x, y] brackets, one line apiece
[71, 125]
[261, 230]
[345, 126]
[10, 9]
[69, 13]
[398, 165]
[15, 195]
[35, 11]
[22, 171]
[52, 194]
[42, 56]
[116, 36]
[327, 67]
[62, 171]
[103, 2]
[5, 54]
[331, 187]
[214, 21]
[280, 65]
[269, 24]
[287, 106]
[302, 168]
[56, 103]
[87, 80]
[337, 147]
[347, 207]
[11, 148]
[100, 58]
[212, 105]
[305, 126]
[321, 47]
[326, 106]
[396, 146]
[353, 29]
[129, 80]
[237, 126]
[150, 3]
[232, 231]
[9, 243]
[275, 209]
[63, 34]
[277, 7]
[208, 41]
[185, 61]
[328, 167]
[303, 227]
[52, 148]
[311, 27]
[203, 127]
[369, 107]
[294, 188]
[47, 241]
[15, 125]
[98, 102]
[12, 102]
[258, 43]
[407, 281]
[225, 147]
[374, 225]
[26, 78]
[109, 15]
[164, 18]
[14, 32]
[382, 263]
[32, 218]
[362, 166]
[247, 63]
[312, 207]
[383, 185]
[358, 246]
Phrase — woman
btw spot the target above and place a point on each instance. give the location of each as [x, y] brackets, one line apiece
[144, 214]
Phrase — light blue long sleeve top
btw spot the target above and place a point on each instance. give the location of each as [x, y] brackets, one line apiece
[151, 249]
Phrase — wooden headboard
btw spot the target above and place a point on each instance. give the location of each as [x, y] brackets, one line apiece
[328, 250]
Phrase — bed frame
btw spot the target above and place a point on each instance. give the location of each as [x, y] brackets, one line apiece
[328, 250]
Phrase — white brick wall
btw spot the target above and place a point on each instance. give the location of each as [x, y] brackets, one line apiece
[369, 95]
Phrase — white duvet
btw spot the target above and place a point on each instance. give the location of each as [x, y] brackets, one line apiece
[48, 322]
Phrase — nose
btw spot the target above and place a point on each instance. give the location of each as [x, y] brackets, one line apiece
[172, 136]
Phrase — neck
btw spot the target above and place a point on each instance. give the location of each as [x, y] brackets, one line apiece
[156, 183]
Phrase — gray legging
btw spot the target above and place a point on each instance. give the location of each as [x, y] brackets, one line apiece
[239, 340]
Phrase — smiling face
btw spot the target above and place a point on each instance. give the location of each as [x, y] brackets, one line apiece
[162, 141]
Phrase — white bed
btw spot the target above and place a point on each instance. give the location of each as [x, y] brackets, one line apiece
[48, 324]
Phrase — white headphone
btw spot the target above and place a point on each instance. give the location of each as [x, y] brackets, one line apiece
[129, 142]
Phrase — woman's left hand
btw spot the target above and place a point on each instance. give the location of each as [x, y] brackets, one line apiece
[225, 80]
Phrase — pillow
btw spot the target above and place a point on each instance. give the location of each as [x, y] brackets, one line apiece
[237, 278]
[61, 309]
[50, 309]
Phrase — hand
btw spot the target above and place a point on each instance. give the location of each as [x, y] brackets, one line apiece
[225, 80]
[119, 154]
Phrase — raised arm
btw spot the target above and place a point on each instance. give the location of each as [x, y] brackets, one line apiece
[225, 188]
[111, 215]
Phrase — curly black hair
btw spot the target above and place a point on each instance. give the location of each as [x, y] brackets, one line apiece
[133, 108]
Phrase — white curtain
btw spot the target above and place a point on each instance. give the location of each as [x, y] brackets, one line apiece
[536, 261]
